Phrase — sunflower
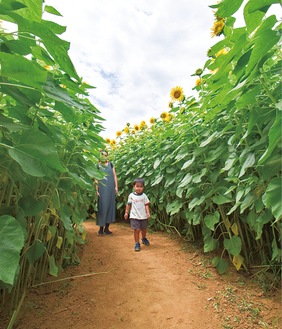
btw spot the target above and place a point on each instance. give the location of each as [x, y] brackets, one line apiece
[118, 133]
[170, 104]
[133, 131]
[142, 125]
[113, 142]
[165, 116]
[108, 140]
[217, 28]
[136, 127]
[198, 82]
[126, 130]
[152, 120]
[176, 94]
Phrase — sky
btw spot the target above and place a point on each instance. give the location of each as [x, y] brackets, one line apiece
[135, 51]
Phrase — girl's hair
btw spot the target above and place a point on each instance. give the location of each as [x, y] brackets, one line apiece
[139, 180]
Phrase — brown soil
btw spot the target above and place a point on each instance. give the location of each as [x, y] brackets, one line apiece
[169, 284]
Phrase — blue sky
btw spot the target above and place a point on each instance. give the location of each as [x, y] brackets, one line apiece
[135, 51]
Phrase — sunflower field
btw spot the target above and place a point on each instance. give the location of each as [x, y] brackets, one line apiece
[212, 163]
[49, 147]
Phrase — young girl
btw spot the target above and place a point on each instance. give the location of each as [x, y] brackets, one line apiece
[138, 205]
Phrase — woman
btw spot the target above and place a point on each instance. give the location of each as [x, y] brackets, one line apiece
[107, 189]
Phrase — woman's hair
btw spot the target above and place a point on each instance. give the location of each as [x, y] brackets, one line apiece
[104, 151]
[139, 180]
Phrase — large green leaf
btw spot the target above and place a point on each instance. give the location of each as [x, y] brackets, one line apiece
[220, 264]
[31, 206]
[233, 245]
[274, 137]
[174, 207]
[11, 243]
[35, 251]
[228, 8]
[272, 197]
[212, 219]
[263, 43]
[19, 70]
[36, 154]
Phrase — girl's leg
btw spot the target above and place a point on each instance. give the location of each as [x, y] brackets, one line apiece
[143, 233]
[136, 235]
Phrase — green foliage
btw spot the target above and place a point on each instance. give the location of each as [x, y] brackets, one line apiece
[212, 166]
[49, 144]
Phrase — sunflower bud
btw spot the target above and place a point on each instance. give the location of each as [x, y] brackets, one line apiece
[199, 71]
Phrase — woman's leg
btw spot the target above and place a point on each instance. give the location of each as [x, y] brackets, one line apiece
[107, 231]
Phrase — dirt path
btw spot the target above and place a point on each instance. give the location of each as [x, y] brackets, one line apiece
[167, 285]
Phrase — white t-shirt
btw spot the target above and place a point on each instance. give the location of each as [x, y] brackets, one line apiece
[138, 203]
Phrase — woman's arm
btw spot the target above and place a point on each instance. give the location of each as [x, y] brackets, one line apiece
[96, 184]
[115, 180]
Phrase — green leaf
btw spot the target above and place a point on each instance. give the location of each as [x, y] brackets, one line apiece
[174, 207]
[210, 243]
[36, 154]
[35, 251]
[156, 163]
[272, 197]
[274, 137]
[31, 206]
[249, 162]
[196, 202]
[221, 199]
[249, 97]
[220, 264]
[276, 252]
[53, 268]
[211, 220]
[22, 70]
[52, 10]
[54, 91]
[158, 179]
[228, 8]
[209, 139]
[263, 43]
[11, 243]
[233, 245]
[185, 180]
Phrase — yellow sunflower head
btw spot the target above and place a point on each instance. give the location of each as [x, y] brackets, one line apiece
[118, 133]
[198, 82]
[126, 130]
[217, 28]
[152, 120]
[176, 94]
[164, 116]
[142, 125]
[108, 140]
[113, 142]
[170, 105]
[133, 131]
[136, 127]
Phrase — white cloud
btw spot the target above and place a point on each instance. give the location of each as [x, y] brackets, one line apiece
[134, 52]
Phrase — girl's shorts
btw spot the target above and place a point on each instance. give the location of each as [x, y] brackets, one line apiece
[138, 224]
